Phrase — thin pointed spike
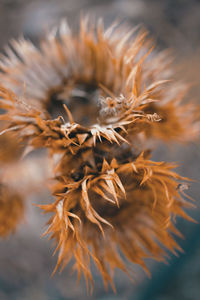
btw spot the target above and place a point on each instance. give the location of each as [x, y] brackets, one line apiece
[71, 120]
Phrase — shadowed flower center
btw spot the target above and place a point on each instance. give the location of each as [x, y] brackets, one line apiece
[88, 103]
[81, 99]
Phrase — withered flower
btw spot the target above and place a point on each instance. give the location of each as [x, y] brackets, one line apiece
[11, 200]
[10, 148]
[94, 99]
[11, 210]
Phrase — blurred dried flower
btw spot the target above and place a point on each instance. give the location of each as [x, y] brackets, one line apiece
[10, 148]
[11, 210]
[111, 200]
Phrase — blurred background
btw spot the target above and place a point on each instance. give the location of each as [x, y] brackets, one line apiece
[26, 261]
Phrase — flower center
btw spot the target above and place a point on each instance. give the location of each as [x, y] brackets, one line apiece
[89, 104]
[82, 100]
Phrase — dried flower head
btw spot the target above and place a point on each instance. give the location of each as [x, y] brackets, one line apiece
[10, 148]
[11, 210]
[94, 99]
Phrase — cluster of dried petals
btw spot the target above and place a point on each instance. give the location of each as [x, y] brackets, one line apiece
[94, 98]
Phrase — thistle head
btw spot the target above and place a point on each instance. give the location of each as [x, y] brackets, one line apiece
[11, 210]
[94, 99]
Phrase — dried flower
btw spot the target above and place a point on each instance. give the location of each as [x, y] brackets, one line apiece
[11, 210]
[115, 94]
[10, 148]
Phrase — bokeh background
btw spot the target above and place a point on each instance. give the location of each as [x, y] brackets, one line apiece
[25, 260]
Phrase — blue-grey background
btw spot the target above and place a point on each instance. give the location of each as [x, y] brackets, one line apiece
[25, 259]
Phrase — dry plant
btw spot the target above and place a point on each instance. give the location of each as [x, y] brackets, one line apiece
[96, 99]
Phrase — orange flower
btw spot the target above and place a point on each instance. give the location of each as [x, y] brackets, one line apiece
[94, 99]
